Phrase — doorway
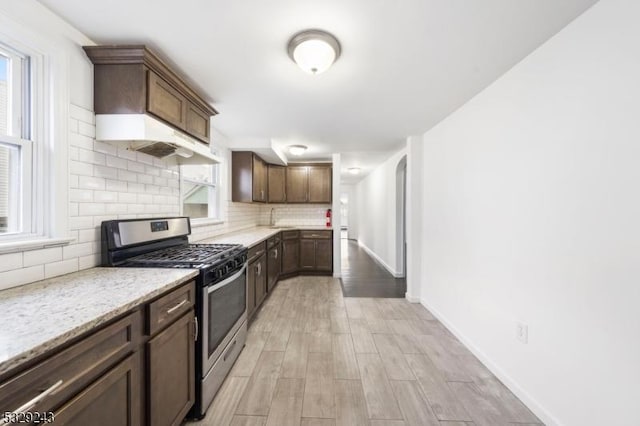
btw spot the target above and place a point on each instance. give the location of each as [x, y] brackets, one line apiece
[344, 216]
[401, 218]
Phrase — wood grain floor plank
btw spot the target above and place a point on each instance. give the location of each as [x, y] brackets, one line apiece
[393, 361]
[257, 396]
[223, 407]
[378, 325]
[363, 343]
[319, 391]
[247, 421]
[246, 362]
[422, 312]
[447, 364]
[442, 401]
[353, 307]
[414, 407]
[408, 344]
[344, 357]
[387, 423]
[320, 341]
[482, 409]
[294, 365]
[318, 324]
[286, 408]
[402, 326]
[351, 407]
[318, 422]
[340, 325]
[381, 403]
[514, 410]
[279, 337]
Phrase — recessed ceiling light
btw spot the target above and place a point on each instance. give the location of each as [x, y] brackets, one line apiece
[297, 149]
[354, 170]
[314, 50]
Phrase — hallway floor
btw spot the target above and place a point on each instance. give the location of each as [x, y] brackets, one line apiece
[362, 276]
[316, 358]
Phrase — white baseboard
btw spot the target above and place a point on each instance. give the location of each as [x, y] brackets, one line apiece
[378, 259]
[537, 409]
[411, 299]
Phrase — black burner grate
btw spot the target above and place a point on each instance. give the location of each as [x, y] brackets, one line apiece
[192, 253]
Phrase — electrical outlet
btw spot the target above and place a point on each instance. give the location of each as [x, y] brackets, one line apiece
[522, 332]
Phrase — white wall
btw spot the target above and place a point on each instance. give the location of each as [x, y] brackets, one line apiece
[414, 217]
[352, 210]
[532, 213]
[376, 212]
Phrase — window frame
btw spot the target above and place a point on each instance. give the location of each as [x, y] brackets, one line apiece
[49, 88]
[212, 211]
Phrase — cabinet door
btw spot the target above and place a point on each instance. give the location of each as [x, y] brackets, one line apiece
[165, 102]
[114, 399]
[259, 180]
[290, 256]
[307, 255]
[251, 287]
[273, 266]
[197, 123]
[319, 185]
[324, 255]
[297, 184]
[276, 184]
[261, 279]
[171, 381]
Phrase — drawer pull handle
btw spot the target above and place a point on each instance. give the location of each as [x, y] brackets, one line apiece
[178, 306]
[197, 330]
[29, 405]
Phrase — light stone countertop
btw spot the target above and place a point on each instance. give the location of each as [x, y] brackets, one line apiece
[40, 316]
[252, 236]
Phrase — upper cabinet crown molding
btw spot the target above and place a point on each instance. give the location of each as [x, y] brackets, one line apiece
[140, 54]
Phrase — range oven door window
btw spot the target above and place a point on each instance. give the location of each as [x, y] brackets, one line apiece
[225, 305]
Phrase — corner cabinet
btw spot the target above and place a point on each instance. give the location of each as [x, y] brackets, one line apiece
[249, 176]
[130, 79]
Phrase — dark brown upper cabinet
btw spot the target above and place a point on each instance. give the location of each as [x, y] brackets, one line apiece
[319, 184]
[309, 184]
[248, 177]
[297, 184]
[130, 79]
[277, 184]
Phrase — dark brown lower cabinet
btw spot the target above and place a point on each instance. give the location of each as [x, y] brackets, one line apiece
[290, 255]
[114, 399]
[119, 373]
[316, 251]
[256, 283]
[171, 366]
[273, 266]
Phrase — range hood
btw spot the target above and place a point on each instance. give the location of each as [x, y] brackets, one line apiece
[144, 133]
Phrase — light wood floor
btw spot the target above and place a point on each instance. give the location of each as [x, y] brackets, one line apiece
[315, 358]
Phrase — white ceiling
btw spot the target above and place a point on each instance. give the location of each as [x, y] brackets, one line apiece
[405, 65]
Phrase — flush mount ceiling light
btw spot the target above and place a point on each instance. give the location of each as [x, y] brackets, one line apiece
[297, 149]
[314, 50]
[354, 170]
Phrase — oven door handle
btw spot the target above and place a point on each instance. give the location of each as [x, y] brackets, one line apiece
[229, 280]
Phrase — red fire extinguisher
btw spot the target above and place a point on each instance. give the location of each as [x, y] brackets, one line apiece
[328, 218]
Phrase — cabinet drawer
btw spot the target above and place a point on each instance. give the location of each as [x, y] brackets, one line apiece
[57, 378]
[170, 307]
[315, 234]
[256, 251]
[290, 235]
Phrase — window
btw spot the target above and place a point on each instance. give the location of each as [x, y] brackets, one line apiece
[16, 146]
[199, 191]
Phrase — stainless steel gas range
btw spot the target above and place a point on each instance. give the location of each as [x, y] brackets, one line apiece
[221, 307]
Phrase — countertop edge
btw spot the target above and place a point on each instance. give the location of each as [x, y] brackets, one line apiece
[18, 361]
